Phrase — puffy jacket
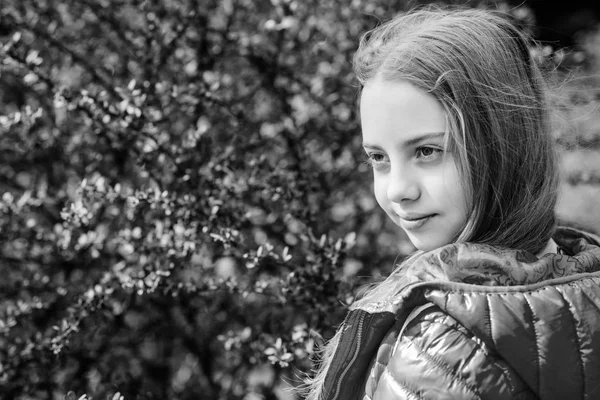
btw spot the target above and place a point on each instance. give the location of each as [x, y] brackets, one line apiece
[472, 321]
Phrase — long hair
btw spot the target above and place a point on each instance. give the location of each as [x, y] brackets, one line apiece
[477, 64]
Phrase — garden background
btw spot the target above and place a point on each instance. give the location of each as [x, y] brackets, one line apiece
[185, 212]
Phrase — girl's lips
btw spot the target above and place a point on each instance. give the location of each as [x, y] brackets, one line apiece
[414, 223]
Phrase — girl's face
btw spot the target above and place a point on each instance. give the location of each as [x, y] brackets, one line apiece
[417, 182]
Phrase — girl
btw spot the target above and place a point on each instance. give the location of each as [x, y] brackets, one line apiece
[498, 302]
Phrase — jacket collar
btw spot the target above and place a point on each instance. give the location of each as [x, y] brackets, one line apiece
[466, 266]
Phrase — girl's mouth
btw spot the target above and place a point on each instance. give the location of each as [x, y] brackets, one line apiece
[415, 223]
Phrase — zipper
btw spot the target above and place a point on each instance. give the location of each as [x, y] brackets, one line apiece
[354, 356]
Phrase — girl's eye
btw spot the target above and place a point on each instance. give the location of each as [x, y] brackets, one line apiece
[429, 153]
[375, 159]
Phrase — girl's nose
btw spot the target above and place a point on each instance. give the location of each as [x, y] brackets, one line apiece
[403, 186]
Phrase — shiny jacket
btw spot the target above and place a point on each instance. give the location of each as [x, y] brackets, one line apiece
[476, 322]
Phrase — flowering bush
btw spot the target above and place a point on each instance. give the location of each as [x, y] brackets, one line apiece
[184, 209]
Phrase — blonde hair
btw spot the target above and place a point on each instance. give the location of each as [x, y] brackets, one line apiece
[477, 64]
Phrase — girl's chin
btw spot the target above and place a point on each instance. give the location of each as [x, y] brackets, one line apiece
[424, 243]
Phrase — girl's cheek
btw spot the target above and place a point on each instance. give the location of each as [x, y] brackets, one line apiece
[380, 190]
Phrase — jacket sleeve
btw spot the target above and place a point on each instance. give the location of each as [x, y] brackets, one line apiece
[434, 357]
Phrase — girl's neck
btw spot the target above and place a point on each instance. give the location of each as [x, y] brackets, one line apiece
[551, 247]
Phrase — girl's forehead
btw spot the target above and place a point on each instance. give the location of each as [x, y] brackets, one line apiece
[402, 106]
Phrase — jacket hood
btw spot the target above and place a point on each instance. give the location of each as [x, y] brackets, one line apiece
[546, 324]
[541, 315]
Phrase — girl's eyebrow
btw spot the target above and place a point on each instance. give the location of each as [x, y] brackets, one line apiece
[415, 140]
[424, 137]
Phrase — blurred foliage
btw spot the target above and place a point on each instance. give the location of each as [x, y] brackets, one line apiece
[184, 209]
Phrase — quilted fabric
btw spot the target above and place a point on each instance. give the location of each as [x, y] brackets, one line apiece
[437, 358]
[541, 343]
[490, 324]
